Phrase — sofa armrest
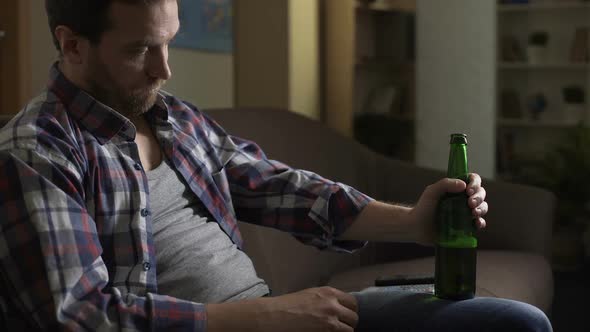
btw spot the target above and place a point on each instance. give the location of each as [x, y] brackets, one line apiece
[520, 216]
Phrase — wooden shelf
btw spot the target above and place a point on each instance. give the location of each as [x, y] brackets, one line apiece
[525, 123]
[542, 66]
[384, 64]
[513, 8]
[405, 6]
[389, 116]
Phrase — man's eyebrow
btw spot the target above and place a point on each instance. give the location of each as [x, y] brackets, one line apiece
[139, 43]
[148, 42]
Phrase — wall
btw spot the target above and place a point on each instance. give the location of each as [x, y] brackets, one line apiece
[261, 55]
[205, 79]
[304, 54]
[456, 81]
[43, 53]
[277, 55]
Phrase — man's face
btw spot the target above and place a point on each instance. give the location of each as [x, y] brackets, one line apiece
[130, 63]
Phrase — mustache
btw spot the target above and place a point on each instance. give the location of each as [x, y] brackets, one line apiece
[153, 87]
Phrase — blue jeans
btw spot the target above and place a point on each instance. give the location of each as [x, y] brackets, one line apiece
[389, 309]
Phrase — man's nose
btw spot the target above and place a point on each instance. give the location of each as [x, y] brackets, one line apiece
[158, 65]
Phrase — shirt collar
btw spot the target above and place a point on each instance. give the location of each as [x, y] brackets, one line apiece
[100, 120]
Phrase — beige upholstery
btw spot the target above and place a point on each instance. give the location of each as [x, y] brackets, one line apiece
[513, 249]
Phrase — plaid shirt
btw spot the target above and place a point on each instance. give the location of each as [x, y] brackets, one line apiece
[76, 244]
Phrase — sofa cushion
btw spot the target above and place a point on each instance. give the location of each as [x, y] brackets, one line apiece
[508, 274]
[288, 265]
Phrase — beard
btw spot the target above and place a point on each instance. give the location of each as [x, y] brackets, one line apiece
[103, 87]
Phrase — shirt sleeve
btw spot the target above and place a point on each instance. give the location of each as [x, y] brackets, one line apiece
[51, 271]
[269, 193]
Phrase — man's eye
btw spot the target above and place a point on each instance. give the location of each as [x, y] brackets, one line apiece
[139, 51]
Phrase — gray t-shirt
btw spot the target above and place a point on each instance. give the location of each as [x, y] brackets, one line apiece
[195, 259]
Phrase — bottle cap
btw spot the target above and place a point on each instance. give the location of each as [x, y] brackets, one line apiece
[458, 138]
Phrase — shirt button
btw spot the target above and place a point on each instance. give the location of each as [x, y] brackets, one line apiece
[147, 266]
[137, 166]
[145, 212]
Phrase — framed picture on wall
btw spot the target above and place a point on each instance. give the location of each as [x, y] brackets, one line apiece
[205, 25]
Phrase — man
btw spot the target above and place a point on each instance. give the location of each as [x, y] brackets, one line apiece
[104, 176]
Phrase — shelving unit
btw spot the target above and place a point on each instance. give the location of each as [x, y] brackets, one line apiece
[388, 5]
[520, 123]
[369, 72]
[527, 134]
[544, 66]
[551, 6]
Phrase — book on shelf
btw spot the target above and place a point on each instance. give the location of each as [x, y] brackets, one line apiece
[510, 104]
[579, 50]
[511, 49]
[505, 154]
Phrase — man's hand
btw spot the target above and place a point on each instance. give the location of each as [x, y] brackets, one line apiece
[423, 214]
[314, 309]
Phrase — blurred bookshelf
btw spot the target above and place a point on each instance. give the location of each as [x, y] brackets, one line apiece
[388, 5]
[543, 75]
[542, 6]
[543, 66]
[370, 72]
[526, 123]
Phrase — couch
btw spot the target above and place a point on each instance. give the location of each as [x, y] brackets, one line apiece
[514, 249]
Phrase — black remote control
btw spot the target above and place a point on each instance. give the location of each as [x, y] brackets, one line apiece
[399, 280]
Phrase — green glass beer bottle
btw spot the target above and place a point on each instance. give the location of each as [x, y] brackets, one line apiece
[456, 245]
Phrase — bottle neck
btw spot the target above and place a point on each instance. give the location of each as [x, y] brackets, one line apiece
[457, 168]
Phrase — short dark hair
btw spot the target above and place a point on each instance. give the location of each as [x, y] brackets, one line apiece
[87, 18]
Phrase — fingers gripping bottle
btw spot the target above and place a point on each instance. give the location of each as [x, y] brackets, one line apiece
[456, 245]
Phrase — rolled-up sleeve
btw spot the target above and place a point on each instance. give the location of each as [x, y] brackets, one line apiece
[269, 193]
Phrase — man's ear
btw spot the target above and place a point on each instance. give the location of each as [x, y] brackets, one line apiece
[73, 47]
